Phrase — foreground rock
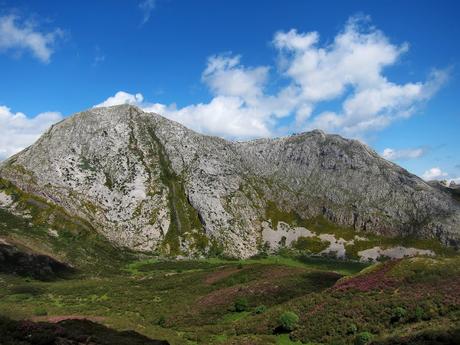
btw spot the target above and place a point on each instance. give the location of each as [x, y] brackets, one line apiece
[42, 267]
[68, 332]
[150, 184]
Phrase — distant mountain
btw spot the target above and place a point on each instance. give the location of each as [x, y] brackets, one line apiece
[150, 184]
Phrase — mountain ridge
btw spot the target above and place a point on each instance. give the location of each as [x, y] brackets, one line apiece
[151, 184]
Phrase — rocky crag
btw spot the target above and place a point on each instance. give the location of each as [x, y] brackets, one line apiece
[152, 185]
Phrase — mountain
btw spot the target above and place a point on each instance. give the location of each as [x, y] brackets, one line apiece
[151, 185]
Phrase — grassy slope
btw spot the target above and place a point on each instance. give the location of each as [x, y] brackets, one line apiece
[184, 293]
[192, 302]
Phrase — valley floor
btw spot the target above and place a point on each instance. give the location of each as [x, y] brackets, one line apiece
[272, 300]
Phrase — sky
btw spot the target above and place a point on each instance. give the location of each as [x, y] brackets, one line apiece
[383, 72]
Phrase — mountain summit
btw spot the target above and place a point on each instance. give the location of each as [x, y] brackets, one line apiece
[150, 184]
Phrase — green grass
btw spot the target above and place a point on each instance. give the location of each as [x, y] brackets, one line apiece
[199, 311]
[283, 339]
[310, 244]
[149, 289]
[429, 296]
[306, 262]
[235, 316]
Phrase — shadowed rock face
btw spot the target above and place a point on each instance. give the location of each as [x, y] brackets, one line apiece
[68, 332]
[151, 184]
[42, 267]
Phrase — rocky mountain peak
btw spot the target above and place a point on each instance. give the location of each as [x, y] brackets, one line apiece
[151, 184]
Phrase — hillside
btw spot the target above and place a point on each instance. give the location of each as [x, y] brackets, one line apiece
[409, 301]
[150, 185]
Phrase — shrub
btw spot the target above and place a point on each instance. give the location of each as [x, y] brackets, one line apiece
[399, 313]
[260, 309]
[241, 304]
[363, 338]
[40, 311]
[419, 314]
[288, 321]
[352, 329]
[161, 321]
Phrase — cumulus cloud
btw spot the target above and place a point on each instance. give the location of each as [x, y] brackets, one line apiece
[17, 131]
[122, 97]
[225, 76]
[17, 35]
[352, 66]
[349, 70]
[147, 6]
[224, 116]
[393, 154]
[434, 174]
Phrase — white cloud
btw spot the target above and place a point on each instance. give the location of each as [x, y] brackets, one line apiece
[352, 66]
[294, 41]
[147, 6]
[225, 76]
[122, 97]
[18, 36]
[17, 131]
[347, 71]
[355, 58]
[392, 154]
[224, 116]
[433, 174]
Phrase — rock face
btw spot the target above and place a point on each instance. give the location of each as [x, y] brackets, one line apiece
[68, 331]
[42, 267]
[150, 184]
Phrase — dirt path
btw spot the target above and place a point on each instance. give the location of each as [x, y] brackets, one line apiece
[219, 275]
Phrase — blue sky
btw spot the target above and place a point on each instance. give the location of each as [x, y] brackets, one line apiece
[385, 72]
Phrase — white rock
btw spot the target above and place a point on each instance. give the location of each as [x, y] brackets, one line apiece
[397, 252]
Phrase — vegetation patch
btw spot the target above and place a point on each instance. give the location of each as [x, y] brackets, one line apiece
[184, 218]
[176, 301]
[311, 244]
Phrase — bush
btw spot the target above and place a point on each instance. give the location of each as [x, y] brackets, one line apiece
[241, 304]
[161, 321]
[40, 311]
[260, 309]
[363, 338]
[419, 314]
[399, 313]
[288, 321]
[352, 329]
